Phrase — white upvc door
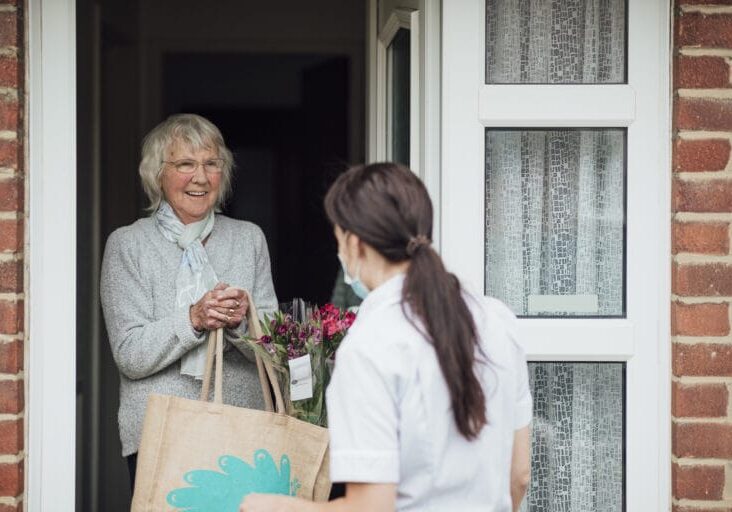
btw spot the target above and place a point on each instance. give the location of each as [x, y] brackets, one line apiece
[477, 114]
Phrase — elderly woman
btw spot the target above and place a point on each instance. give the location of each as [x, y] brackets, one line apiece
[169, 278]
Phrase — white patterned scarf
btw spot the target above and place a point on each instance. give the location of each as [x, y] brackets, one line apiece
[195, 274]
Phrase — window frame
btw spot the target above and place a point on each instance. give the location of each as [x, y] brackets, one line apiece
[408, 19]
[425, 24]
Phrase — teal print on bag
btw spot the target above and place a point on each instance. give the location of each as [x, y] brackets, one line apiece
[214, 491]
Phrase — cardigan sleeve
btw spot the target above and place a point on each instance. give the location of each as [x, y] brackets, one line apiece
[263, 293]
[141, 345]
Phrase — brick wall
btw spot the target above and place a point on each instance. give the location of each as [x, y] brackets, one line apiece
[702, 259]
[11, 255]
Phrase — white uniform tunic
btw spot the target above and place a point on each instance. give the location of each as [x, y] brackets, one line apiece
[389, 413]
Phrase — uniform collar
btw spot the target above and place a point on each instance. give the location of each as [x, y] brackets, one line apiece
[388, 292]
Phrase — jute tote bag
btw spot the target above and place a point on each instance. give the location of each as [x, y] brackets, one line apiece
[198, 456]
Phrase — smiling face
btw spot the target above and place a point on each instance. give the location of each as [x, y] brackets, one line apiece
[191, 196]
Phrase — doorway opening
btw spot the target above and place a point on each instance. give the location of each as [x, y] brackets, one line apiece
[285, 85]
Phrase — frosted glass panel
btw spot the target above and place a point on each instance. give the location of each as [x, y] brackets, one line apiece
[555, 41]
[554, 224]
[577, 438]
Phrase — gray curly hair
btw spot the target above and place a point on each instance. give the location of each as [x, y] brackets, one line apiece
[191, 129]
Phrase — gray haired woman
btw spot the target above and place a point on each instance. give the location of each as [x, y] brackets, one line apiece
[169, 278]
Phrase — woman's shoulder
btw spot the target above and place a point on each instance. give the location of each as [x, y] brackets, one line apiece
[127, 236]
[239, 228]
[498, 328]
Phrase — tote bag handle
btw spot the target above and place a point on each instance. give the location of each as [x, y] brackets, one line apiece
[215, 358]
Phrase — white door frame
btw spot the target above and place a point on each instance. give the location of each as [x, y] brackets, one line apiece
[423, 18]
[50, 369]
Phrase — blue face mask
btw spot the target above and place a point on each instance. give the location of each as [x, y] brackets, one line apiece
[355, 283]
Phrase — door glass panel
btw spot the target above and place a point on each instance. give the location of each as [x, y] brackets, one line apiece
[399, 65]
[555, 41]
[577, 462]
[554, 221]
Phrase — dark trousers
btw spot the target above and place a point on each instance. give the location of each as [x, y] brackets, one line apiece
[132, 467]
[337, 491]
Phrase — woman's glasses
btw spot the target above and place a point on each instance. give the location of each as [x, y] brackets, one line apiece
[187, 166]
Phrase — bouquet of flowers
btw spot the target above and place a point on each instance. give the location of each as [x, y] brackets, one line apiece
[300, 341]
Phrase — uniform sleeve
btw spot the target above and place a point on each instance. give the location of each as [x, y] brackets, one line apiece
[524, 404]
[141, 345]
[362, 420]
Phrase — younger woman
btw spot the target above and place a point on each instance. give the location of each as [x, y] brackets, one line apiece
[429, 404]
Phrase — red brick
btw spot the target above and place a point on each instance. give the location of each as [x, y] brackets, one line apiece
[11, 479]
[701, 155]
[700, 72]
[11, 437]
[11, 235]
[694, 237]
[702, 440]
[9, 110]
[9, 156]
[699, 319]
[11, 276]
[702, 196]
[9, 72]
[11, 396]
[699, 400]
[9, 29]
[702, 359]
[11, 195]
[698, 482]
[707, 30]
[682, 508]
[706, 280]
[702, 114]
[11, 357]
[11, 317]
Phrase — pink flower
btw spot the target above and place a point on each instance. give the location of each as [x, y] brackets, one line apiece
[349, 318]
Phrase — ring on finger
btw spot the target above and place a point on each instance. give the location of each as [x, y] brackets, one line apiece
[231, 312]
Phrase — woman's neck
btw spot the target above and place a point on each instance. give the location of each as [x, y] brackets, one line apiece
[384, 270]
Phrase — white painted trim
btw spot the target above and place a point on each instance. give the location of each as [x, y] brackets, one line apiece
[425, 24]
[577, 340]
[371, 39]
[51, 365]
[399, 18]
[660, 354]
[529, 106]
[430, 30]
[415, 118]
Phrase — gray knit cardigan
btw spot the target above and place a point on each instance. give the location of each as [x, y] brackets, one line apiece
[148, 334]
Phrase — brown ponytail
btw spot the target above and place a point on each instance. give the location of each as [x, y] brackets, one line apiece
[388, 207]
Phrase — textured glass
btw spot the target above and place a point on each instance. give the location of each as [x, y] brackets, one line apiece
[555, 41]
[577, 438]
[554, 224]
[400, 62]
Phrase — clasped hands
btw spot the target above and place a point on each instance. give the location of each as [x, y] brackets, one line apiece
[224, 306]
